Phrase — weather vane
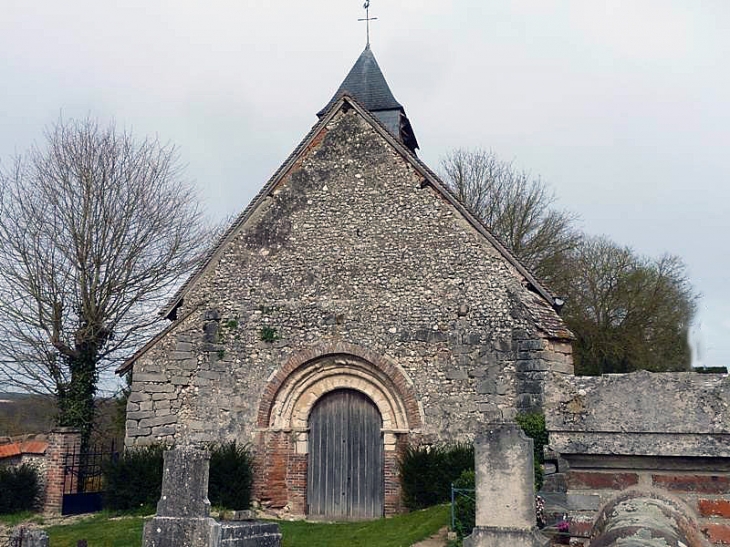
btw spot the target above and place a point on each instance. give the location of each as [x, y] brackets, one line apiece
[367, 20]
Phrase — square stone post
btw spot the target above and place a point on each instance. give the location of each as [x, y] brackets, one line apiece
[505, 490]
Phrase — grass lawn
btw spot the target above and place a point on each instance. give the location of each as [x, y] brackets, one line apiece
[101, 530]
[400, 531]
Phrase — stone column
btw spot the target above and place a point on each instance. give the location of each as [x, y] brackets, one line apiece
[62, 441]
[505, 491]
[183, 512]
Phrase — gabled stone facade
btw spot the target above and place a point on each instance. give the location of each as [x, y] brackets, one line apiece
[353, 269]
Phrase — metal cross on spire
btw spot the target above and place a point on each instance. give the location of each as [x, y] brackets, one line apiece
[367, 20]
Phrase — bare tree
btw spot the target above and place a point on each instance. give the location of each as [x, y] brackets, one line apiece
[628, 312]
[517, 208]
[95, 230]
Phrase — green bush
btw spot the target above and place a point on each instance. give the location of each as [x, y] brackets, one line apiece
[428, 471]
[465, 509]
[533, 424]
[135, 479]
[231, 476]
[19, 488]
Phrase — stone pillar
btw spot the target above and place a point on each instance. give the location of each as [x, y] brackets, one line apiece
[62, 441]
[505, 491]
[183, 512]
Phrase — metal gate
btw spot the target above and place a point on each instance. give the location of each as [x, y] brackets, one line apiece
[345, 471]
[83, 479]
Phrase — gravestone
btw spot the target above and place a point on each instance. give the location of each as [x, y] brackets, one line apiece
[505, 491]
[183, 512]
[28, 537]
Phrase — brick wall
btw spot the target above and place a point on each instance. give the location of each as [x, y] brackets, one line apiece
[705, 494]
[61, 441]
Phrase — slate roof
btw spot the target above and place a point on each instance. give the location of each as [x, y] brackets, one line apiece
[366, 83]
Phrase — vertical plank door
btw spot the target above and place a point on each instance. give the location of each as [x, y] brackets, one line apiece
[345, 471]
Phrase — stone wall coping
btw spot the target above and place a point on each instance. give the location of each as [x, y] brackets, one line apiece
[622, 443]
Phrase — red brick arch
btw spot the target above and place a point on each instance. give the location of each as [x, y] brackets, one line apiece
[400, 384]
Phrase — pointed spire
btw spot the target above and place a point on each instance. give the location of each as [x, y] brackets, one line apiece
[366, 83]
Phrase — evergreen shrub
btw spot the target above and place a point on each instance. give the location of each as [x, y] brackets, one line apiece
[135, 478]
[231, 476]
[465, 510]
[428, 471]
[19, 488]
[533, 424]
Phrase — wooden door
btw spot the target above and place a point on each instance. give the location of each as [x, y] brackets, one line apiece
[345, 471]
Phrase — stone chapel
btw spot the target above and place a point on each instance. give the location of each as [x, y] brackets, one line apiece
[354, 307]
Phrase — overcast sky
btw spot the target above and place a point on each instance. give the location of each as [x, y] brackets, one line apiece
[623, 107]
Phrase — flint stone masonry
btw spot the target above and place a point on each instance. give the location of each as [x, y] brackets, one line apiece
[505, 495]
[348, 249]
[183, 512]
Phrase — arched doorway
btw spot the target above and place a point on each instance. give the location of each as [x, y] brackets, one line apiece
[345, 471]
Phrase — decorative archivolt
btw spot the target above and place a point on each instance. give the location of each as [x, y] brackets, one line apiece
[303, 387]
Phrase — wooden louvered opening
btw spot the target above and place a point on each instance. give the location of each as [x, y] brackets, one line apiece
[345, 471]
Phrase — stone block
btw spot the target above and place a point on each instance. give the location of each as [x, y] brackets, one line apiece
[181, 355]
[436, 336]
[179, 532]
[138, 431]
[250, 534]
[150, 377]
[561, 367]
[188, 364]
[456, 374]
[138, 396]
[159, 420]
[583, 502]
[504, 536]
[159, 388]
[531, 365]
[529, 345]
[140, 415]
[183, 346]
[164, 430]
[212, 315]
[180, 380]
[29, 537]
